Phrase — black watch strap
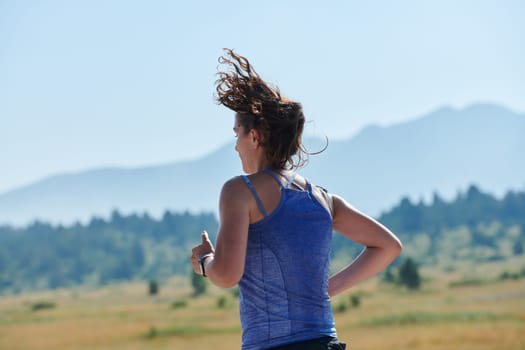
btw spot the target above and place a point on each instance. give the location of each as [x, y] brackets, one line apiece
[202, 260]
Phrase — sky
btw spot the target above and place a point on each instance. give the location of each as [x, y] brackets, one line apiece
[118, 83]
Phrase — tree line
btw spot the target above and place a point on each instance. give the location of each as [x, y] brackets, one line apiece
[42, 256]
[469, 209]
[474, 226]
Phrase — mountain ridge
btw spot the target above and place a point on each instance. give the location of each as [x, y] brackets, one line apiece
[442, 151]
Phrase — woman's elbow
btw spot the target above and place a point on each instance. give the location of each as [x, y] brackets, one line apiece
[226, 281]
[225, 276]
[396, 246]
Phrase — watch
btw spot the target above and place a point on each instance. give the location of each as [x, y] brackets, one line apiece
[202, 260]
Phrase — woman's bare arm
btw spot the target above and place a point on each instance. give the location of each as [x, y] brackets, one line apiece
[226, 266]
[381, 246]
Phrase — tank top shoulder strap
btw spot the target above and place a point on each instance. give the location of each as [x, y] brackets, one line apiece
[255, 195]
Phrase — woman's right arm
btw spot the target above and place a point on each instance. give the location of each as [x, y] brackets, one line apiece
[225, 267]
[381, 246]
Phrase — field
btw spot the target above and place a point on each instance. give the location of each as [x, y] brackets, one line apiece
[449, 312]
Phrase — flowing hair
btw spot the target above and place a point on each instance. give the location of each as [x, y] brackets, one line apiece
[262, 107]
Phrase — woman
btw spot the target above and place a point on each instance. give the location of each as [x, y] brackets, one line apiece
[276, 227]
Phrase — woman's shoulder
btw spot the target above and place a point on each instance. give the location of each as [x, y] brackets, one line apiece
[324, 197]
[234, 183]
[234, 189]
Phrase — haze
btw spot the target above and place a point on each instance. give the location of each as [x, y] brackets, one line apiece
[88, 84]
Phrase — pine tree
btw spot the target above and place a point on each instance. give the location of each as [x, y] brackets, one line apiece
[153, 287]
[409, 275]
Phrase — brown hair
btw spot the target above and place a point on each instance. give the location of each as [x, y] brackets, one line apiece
[262, 107]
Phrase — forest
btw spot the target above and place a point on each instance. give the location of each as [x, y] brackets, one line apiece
[474, 227]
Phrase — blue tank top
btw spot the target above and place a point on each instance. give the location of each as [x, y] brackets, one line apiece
[284, 288]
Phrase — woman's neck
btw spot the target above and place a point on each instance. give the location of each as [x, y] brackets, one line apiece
[263, 163]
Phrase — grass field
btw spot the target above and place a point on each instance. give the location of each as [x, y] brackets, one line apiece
[484, 315]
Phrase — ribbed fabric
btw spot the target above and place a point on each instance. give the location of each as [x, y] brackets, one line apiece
[283, 292]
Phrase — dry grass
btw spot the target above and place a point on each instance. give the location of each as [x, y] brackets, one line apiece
[487, 316]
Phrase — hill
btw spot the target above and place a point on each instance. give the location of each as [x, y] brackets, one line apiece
[443, 152]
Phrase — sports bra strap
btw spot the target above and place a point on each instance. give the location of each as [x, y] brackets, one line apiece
[309, 186]
[290, 179]
[255, 195]
[274, 175]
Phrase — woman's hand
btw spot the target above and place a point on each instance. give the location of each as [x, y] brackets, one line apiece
[205, 247]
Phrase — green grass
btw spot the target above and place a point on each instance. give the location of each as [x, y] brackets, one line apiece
[468, 282]
[155, 332]
[42, 305]
[427, 318]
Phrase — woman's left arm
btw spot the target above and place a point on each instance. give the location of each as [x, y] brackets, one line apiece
[225, 266]
[381, 246]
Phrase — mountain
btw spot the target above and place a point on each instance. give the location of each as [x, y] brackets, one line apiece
[444, 151]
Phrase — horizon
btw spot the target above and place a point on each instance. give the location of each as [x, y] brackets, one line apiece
[426, 201]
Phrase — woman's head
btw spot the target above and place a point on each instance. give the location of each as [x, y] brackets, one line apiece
[279, 120]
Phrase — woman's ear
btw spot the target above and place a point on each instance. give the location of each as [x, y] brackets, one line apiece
[255, 137]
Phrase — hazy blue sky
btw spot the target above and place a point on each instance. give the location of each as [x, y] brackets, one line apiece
[85, 84]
